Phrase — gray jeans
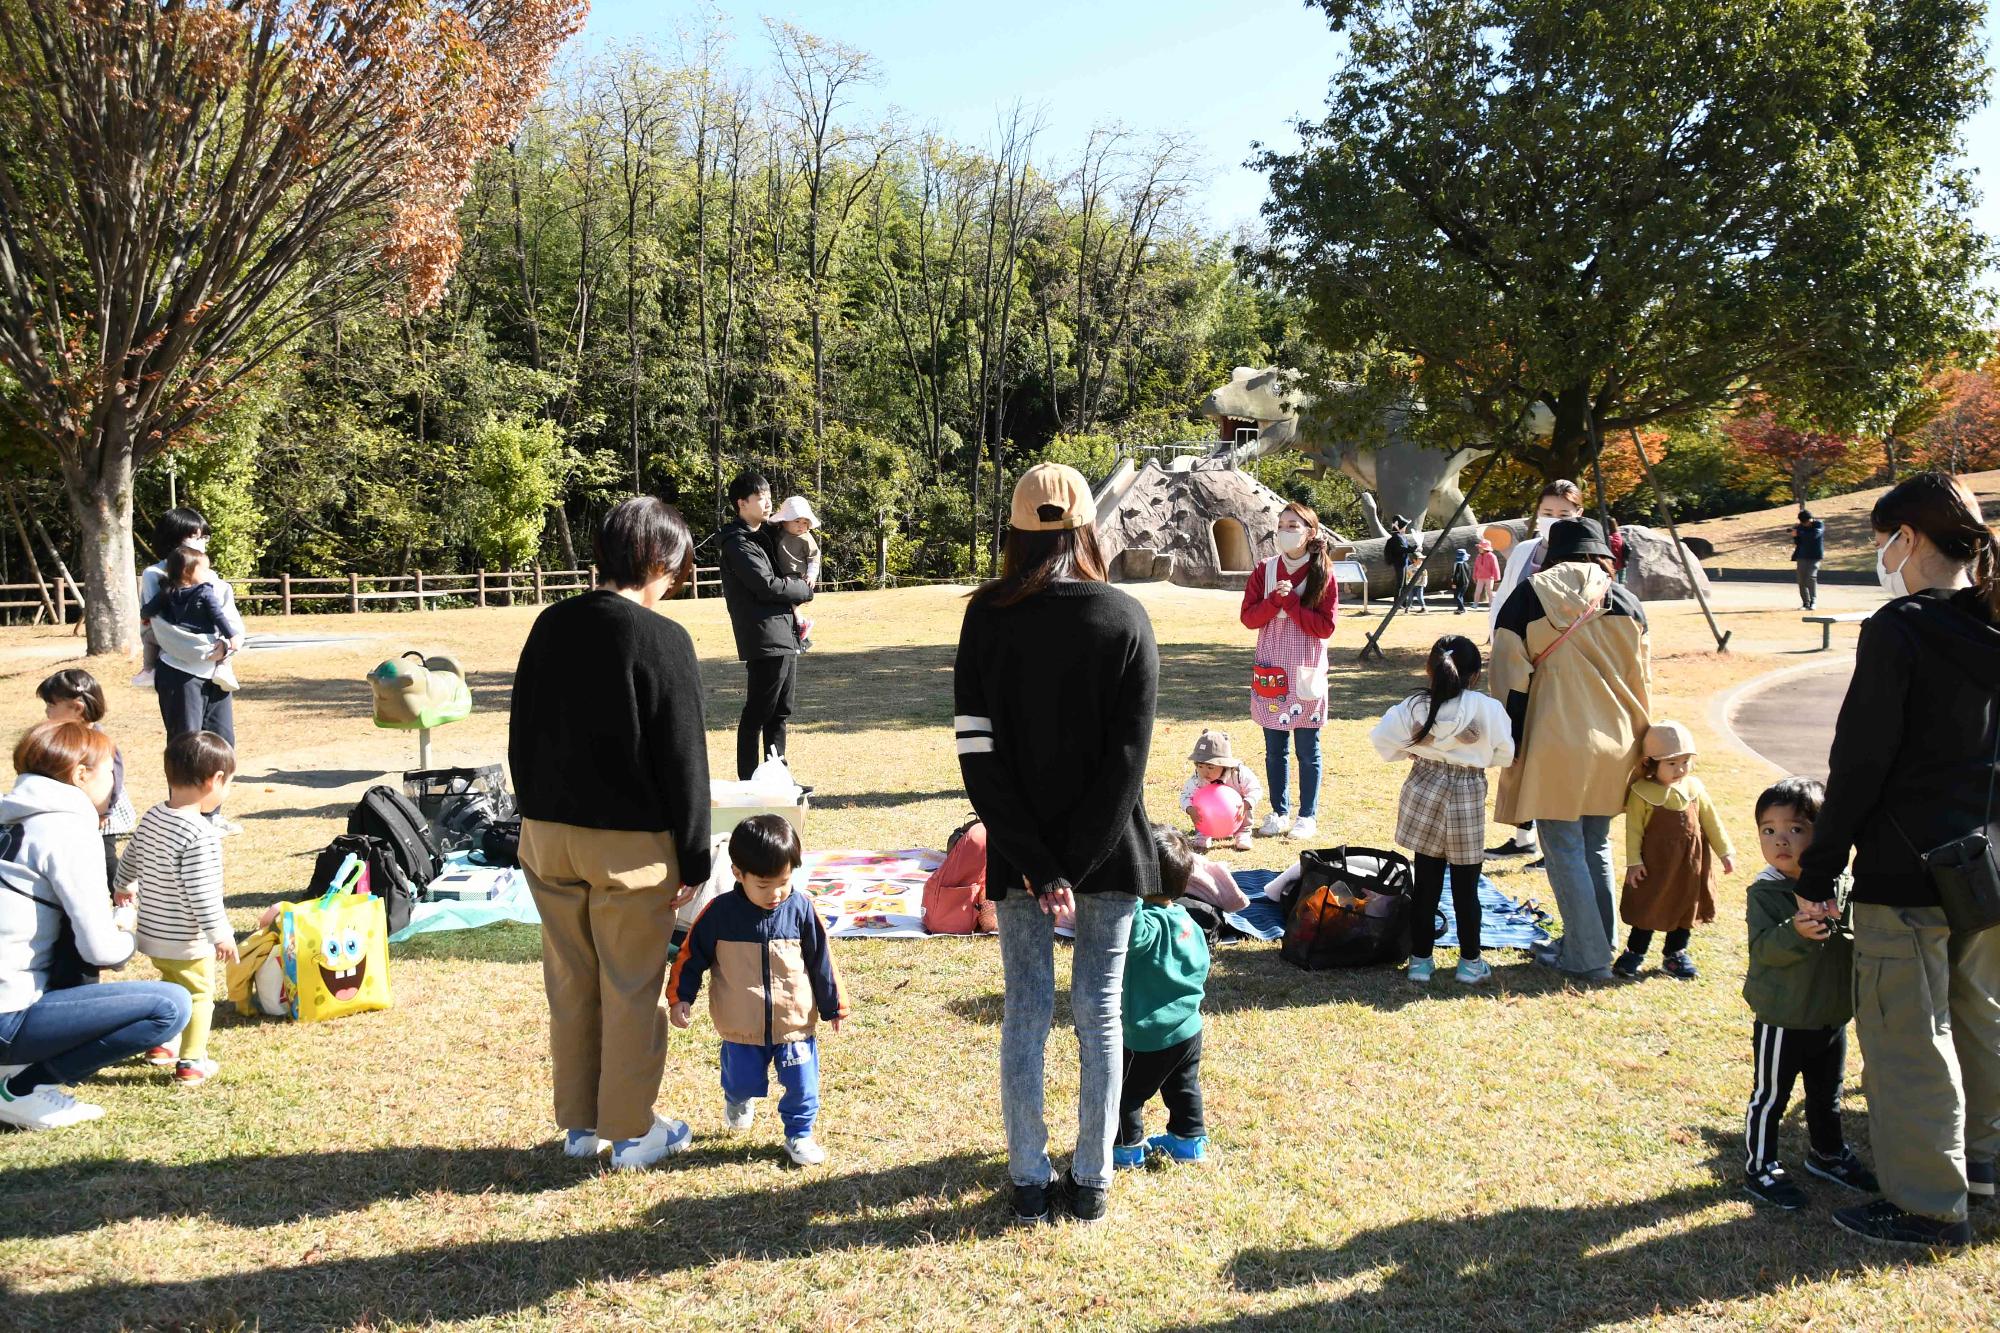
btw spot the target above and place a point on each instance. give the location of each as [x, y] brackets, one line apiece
[1096, 985]
[1808, 581]
[1579, 856]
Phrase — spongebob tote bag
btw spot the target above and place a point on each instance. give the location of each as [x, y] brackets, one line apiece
[336, 953]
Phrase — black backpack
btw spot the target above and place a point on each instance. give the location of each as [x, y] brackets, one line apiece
[1350, 908]
[386, 877]
[499, 844]
[387, 814]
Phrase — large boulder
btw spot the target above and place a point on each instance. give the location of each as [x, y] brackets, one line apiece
[1653, 568]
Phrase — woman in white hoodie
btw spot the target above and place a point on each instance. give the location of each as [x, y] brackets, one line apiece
[1453, 733]
[56, 930]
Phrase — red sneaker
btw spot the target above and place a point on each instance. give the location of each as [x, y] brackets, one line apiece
[161, 1057]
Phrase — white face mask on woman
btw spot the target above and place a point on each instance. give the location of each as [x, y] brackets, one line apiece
[1892, 581]
[1291, 540]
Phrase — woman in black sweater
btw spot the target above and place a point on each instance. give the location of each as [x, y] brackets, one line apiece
[609, 752]
[1054, 688]
[1912, 769]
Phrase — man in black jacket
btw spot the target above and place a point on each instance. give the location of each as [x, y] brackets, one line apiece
[762, 614]
[1808, 550]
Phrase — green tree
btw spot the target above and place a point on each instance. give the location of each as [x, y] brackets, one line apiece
[1626, 214]
[513, 475]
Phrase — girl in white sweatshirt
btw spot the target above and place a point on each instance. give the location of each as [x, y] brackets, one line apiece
[1454, 734]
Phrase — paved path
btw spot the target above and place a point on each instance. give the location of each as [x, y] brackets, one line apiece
[1789, 719]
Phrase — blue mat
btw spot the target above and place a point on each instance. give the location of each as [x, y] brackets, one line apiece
[1503, 923]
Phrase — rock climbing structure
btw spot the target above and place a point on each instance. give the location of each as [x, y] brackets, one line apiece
[1196, 522]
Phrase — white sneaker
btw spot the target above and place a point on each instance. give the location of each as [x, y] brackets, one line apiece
[583, 1143]
[1198, 841]
[738, 1115]
[144, 680]
[1304, 829]
[804, 1151]
[1274, 825]
[1242, 843]
[664, 1139]
[47, 1107]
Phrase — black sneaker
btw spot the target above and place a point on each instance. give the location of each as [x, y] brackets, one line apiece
[1884, 1221]
[1775, 1187]
[1032, 1206]
[1514, 847]
[1539, 863]
[1628, 965]
[1846, 1169]
[1978, 1183]
[1679, 966]
[1085, 1203]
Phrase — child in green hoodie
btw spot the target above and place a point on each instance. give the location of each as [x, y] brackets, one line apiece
[1799, 985]
[1166, 972]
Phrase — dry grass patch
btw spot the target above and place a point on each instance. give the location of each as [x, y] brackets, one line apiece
[1763, 539]
[1530, 1156]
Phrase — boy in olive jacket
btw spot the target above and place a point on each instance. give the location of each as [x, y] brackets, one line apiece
[1799, 985]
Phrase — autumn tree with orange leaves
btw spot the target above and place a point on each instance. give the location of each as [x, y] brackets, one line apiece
[186, 185]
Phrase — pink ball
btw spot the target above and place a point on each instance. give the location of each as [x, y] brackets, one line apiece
[1218, 810]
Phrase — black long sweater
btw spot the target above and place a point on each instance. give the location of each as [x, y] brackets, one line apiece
[1054, 700]
[606, 729]
[1913, 748]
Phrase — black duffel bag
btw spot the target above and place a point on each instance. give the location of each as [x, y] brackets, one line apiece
[1350, 908]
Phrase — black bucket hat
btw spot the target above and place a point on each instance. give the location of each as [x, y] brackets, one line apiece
[1572, 537]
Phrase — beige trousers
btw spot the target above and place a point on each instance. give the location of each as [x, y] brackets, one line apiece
[605, 898]
[1927, 1010]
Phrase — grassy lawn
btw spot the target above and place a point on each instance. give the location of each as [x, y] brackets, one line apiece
[1763, 539]
[1529, 1156]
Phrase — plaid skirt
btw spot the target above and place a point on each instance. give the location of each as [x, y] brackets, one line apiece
[1442, 812]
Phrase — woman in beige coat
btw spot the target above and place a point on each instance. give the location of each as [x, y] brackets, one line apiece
[1570, 662]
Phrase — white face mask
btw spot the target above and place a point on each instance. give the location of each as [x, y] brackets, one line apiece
[1291, 540]
[1891, 580]
[1543, 522]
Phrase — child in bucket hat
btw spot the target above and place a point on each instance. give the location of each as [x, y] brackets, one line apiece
[1674, 847]
[1215, 764]
[797, 555]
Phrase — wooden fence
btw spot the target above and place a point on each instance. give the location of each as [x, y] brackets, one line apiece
[290, 593]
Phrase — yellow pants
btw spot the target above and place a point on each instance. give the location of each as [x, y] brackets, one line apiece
[196, 976]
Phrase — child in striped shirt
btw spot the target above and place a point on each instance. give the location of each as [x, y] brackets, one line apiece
[173, 868]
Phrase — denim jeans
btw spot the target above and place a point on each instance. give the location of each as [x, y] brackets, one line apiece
[1579, 856]
[1096, 987]
[1278, 769]
[69, 1034]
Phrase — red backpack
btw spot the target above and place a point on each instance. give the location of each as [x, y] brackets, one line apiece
[955, 894]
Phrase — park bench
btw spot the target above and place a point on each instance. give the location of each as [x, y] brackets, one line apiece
[1826, 624]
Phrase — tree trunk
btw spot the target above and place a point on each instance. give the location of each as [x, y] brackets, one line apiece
[102, 507]
[560, 517]
[1569, 448]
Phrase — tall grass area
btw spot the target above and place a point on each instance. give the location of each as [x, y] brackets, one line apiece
[1524, 1156]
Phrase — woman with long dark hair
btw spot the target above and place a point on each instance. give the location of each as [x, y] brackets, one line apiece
[1291, 601]
[1053, 692]
[1912, 769]
[610, 754]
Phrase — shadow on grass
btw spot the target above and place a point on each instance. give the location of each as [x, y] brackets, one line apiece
[466, 1279]
[318, 779]
[501, 942]
[1561, 1268]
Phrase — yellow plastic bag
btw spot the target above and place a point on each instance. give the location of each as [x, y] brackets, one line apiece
[336, 951]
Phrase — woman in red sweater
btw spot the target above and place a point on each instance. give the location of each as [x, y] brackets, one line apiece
[1291, 601]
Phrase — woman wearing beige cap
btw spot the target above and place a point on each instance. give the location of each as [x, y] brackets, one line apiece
[1053, 693]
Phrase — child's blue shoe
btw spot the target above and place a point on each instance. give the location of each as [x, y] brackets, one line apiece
[1180, 1149]
[1125, 1159]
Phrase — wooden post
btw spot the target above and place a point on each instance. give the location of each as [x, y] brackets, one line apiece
[354, 593]
[538, 583]
[285, 592]
[62, 602]
[482, 587]
[420, 590]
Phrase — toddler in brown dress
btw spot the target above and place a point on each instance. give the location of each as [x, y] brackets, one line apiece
[1673, 842]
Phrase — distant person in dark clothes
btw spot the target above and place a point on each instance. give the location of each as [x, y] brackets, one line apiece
[1053, 691]
[1912, 769]
[1396, 552]
[1808, 551]
[610, 754]
[763, 614]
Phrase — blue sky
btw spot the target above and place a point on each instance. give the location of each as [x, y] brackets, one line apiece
[1226, 72]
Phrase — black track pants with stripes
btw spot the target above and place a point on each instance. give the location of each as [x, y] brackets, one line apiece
[1783, 1054]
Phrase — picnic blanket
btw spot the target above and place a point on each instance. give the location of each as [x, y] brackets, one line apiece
[1503, 923]
[875, 895]
[511, 902]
